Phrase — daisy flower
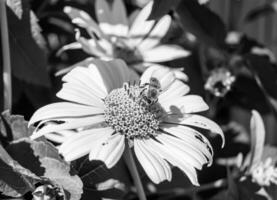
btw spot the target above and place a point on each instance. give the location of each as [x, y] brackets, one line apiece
[220, 82]
[259, 165]
[262, 169]
[154, 117]
[136, 42]
[265, 173]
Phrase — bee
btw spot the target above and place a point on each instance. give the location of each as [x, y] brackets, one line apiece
[151, 91]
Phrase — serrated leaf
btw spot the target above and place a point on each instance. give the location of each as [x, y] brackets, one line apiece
[36, 31]
[59, 172]
[29, 61]
[201, 22]
[29, 153]
[43, 159]
[14, 179]
[17, 8]
[13, 127]
[162, 7]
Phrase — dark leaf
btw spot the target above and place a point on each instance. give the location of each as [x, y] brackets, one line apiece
[201, 22]
[247, 94]
[36, 31]
[42, 158]
[162, 7]
[262, 66]
[14, 179]
[17, 8]
[29, 61]
[260, 11]
[95, 174]
[29, 154]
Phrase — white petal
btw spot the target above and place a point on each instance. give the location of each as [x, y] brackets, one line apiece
[83, 20]
[114, 73]
[197, 121]
[82, 143]
[158, 32]
[176, 146]
[70, 123]
[91, 46]
[155, 167]
[140, 27]
[192, 138]
[174, 159]
[61, 136]
[114, 22]
[119, 13]
[257, 138]
[117, 30]
[103, 12]
[74, 45]
[79, 94]
[63, 109]
[163, 75]
[180, 74]
[82, 76]
[176, 89]
[84, 63]
[108, 150]
[163, 53]
[164, 164]
[184, 104]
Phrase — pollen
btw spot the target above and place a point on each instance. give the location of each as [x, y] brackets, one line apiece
[128, 112]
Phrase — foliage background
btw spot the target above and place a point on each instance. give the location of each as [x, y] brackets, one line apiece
[35, 62]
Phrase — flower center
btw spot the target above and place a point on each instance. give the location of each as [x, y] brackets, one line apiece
[129, 55]
[131, 111]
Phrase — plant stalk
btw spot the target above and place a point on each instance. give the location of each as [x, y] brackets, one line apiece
[129, 159]
[7, 82]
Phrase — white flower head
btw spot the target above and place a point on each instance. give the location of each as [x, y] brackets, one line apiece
[233, 38]
[154, 116]
[201, 2]
[219, 82]
[265, 173]
[136, 42]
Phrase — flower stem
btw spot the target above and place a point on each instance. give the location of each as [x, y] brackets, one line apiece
[128, 156]
[7, 83]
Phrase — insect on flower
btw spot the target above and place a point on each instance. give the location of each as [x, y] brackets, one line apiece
[105, 111]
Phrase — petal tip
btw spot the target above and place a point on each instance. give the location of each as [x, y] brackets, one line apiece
[67, 9]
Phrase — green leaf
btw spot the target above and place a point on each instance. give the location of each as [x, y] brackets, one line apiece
[14, 179]
[261, 11]
[29, 154]
[95, 174]
[43, 159]
[29, 61]
[59, 172]
[262, 67]
[13, 127]
[17, 8]
[201, 22]
[162, 7]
